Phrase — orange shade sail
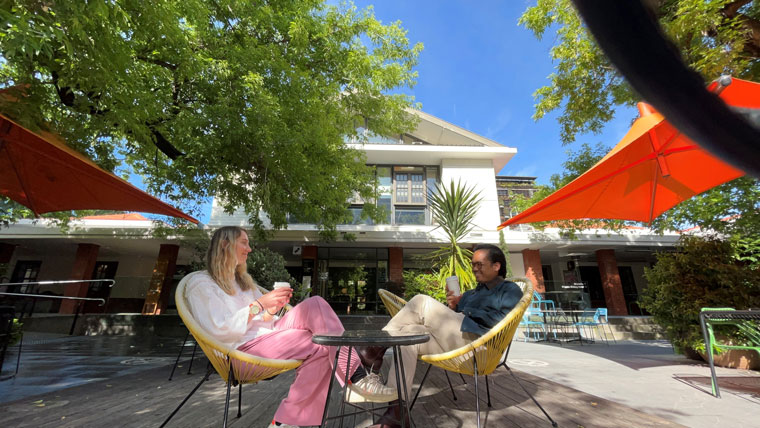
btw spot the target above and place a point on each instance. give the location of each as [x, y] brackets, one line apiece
[42, 173]
[652, 169]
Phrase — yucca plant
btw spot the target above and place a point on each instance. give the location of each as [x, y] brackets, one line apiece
[453, 208]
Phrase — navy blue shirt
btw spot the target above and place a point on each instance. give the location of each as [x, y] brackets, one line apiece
[484, 308]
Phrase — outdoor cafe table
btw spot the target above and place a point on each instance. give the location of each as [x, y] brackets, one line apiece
[354, 338]
[569, 299]
[560, 319]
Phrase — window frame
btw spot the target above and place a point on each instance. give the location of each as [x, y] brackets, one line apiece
[408, 185]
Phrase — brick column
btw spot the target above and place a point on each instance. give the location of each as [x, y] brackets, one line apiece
[613, 288]
[532, 263]
[84, 264]
[396, 264]
[169, 253]
[160, 282]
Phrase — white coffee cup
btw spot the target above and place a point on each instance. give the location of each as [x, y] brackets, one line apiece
[452, 284]
[281, 284]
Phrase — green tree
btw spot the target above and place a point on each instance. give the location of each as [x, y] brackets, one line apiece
[249, 101]
[453, 207]
[714, 37]
[267, 267]
[704, 272]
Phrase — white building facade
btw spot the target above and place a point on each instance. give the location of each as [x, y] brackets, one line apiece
[346, 272]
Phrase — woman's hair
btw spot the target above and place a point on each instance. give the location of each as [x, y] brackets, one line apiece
[221, 260]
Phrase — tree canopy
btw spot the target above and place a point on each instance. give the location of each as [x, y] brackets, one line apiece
[714, 38]
[248, 101]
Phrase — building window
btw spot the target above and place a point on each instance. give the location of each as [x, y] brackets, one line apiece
[356, 213]
[410, 215]
[25, 271]
[385, 191]
[410, 185]
[102, 270]
[403, 192]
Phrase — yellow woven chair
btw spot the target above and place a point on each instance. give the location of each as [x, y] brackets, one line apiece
[235, 367]
[481, 356]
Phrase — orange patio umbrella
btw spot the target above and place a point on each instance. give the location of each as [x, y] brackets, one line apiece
[42, 173]
[652, 169]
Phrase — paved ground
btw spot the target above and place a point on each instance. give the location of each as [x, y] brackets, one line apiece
[641, 375]
[647, 376]
[52, 362]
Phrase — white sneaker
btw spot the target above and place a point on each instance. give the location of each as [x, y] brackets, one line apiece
[273, 425]
[371, 389]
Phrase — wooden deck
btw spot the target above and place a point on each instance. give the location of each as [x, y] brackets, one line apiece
[146, 399]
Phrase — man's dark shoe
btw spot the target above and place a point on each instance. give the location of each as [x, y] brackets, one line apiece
[372, 357]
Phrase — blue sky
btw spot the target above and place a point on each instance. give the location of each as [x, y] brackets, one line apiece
[479, 70]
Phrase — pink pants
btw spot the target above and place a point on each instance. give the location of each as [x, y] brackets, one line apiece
[292, 340]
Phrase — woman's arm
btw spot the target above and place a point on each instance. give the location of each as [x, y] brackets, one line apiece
[275, 299]
[213, 314]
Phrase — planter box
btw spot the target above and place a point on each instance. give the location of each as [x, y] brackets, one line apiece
[736, 359]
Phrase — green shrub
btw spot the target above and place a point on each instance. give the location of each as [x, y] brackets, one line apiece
[703, 272]
[267, 267]
[16, 332]
[423, 283]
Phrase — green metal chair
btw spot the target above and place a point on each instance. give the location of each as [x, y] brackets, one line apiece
[748, 324]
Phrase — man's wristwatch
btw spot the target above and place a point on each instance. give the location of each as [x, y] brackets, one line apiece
[254, 308]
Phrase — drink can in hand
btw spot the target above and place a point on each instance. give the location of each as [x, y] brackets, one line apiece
[452, 284]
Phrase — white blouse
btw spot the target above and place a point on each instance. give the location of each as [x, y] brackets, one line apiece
[224, 316]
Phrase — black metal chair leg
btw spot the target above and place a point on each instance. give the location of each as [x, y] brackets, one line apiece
[345, 385]
[488, 392]
[230, 379]
[477, 394]
[450, 387]
[554, 424]
[403, 385]
[461, 376]
[612, 333]
[420, 388]
[240, 399]
[192, 358]
[205, 378]
[329, 388]
[179, 355]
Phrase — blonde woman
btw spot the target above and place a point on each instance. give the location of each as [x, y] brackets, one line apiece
[227, 304]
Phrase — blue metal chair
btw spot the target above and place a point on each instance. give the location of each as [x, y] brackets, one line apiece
[527, 323]
[535, 318]
[595, 319]
[540, 303]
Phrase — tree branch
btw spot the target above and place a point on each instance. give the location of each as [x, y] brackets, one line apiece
[158, 62]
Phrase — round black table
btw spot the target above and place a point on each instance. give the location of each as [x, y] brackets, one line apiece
[354, 338]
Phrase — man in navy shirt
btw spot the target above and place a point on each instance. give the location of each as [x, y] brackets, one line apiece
[467, 317]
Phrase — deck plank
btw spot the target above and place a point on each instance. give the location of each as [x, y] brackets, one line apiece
[147, 398]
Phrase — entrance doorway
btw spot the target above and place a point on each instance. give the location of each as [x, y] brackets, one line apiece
[630, 292]
[591, 276]
[350, 289]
